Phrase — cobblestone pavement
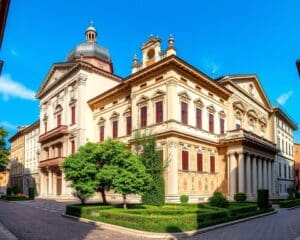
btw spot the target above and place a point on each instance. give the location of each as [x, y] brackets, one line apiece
[285, 225]
[29, 223]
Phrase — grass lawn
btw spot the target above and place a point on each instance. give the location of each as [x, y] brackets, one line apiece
[167, 218]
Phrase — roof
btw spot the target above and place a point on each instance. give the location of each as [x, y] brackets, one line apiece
[4, 6]
[285, 115]
[298, 66]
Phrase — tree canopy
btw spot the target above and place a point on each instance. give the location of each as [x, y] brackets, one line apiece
[4, 153]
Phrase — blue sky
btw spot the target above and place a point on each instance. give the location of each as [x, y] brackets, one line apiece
[218, 37]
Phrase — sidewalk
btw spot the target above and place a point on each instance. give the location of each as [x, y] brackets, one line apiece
[5, 234]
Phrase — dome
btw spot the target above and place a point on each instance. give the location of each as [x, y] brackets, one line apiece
[89, 49]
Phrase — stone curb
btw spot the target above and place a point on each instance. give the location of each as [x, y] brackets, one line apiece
[6, 234]
[291, 208]
[155, 235]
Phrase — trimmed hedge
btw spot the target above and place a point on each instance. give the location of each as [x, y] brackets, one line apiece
[263, 198]
[31, 193]
[14, 198]
[289, 203]
[240, 197]
[8, 191]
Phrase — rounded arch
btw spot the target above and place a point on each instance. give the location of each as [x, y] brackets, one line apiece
[151, 54]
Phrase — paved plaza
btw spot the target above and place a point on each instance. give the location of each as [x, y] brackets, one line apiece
[41, 220]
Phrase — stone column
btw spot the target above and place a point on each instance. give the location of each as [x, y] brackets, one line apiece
[50, 180]
[42, 191]
[63, 183]
[241, 170]
[260, 173]
[265, 174]
[270, 177]
[233, 174]
[254, 175]
[173, 169]
[248, 174]
[273, 176]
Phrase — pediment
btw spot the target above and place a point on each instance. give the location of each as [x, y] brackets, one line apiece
[184, 95]
[198, 103]
[101, 120]
[211, 109]
[115, 115]
[56, 72]
[252, 113]
[158, 93]
[240, 106]
[143, 99]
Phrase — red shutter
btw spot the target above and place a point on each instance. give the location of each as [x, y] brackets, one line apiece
[128, 125]
[211, 123]
[185, 160]
[72, 146]
[222, 125]
[199, 162]
[212, 164]
[159, 112]
[184, 113]
[115, 129]
[73, 112]
[198, 118]
[58, 120]
[144, 116]
[101, 133]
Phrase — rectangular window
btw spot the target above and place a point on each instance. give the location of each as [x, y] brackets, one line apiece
[45, 124]
[212, 164]
[101, 137]
[159, 112]
[115, 129]
[72, 146]
[184, 113]
[59, 151]
[198, 118]
[222, 126]
[128, 125]
[185, 160]
[58, 120]
[284, 169]
[199, 162]
[237, 126]
[211, 123]
[144, 116]
[73, 116]
[279, 170]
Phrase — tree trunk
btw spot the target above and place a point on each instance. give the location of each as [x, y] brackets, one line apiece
[124, 202]
[103, 195]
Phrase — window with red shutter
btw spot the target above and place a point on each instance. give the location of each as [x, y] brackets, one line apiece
[185, 160]
[72, 146]
[184, 113]
[199, 162]
[115, 129]
[212, 164]
[73, 115]
[144, 116]
[58, 118]
[159, 112]
[211, 123]
[128, 125]
[221, 125]
[101, 133]
[198, 118]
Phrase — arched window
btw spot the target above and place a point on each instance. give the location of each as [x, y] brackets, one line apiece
[151, 54]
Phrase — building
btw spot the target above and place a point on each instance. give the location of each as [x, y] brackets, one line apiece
[297, 166]
[31, 159]
[17, 156]
[66, 118]
[284, 129]
[4, 6]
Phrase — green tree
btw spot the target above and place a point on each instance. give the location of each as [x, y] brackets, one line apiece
[81, 169]
[4, 153]
[146, 147]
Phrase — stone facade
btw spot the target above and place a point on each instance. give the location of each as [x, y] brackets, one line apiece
[297, 166]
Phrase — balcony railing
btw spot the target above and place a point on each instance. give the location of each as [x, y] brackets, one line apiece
[54, 133]
[51, 162]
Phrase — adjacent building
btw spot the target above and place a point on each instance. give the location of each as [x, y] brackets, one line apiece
[4, 6]
[284, 129]
[297, 166]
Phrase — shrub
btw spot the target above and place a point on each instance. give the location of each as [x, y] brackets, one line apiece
[184, 199]
[289, 203]
[218, 200]
[15, 198]
[240, 197]
[31, 193]
[263, 198]
[291, 191]
[16, 189]
[8, 191]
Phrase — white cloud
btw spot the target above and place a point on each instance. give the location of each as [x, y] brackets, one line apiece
[10, 88]
[211, 66]
[282, 99]
[8, 125]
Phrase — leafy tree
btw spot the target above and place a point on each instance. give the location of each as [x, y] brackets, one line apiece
[150, 157]
[81, 169]
[4, 153]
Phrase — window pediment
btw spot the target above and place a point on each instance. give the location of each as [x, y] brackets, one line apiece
[142, 100]
[158, 93]
[127, 112]
[211, 109]
[263, 121]
[184, 95]
[101, 120]
[114, 115]
[222, 114]
[199, 103]
[240, 106]
[58, 109]
[252, 113]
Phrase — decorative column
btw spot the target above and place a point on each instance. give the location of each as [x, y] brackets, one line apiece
[273, 176]
[63, 183]
[42, 191]
[270, 176]
[265, 174]
[241, 169]
[233, 174]
[50, 179]
[172, 188]
[254, 175]
[260, 173]
[248, 174]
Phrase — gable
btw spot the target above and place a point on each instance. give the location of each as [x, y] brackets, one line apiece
[252, 87]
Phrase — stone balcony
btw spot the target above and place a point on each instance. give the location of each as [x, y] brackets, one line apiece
[50, 162]
[248, 138]
[54, 133]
